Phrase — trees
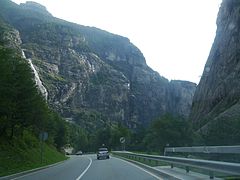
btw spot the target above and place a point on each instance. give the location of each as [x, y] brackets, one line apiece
[77, 137]
[22, 106]
[167, 130]
[18, 92]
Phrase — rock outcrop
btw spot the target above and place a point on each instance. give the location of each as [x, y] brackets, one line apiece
[180, 97]
[218, 93]
[88, 69]
[33, 6]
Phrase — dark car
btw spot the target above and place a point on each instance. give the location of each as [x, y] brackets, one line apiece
[103, 153]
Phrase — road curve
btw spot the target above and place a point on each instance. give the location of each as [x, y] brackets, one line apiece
[69, 170]
[116, 169]
[87, 167]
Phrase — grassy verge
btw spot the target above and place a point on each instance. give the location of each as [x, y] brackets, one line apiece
[17, 155]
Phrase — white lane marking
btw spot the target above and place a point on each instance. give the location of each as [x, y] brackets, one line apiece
[36, 170]
[20, 177]
[81, 175]
[140, 168]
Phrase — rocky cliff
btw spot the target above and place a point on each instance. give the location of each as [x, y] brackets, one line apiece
[91, 72]
[217, 96]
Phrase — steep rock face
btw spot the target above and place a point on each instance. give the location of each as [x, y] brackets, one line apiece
[218, 92]
[9, 36]
[180, 97]
[88, 69]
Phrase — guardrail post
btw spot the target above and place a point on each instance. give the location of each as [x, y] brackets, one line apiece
[187, 169]
[211, 175]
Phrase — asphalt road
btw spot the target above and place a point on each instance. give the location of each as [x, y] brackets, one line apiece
[87, 167]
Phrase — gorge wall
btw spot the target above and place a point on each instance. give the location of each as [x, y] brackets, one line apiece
[216, 102]
[91, 72]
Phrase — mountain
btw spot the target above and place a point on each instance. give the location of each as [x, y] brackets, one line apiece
[91, 74]
[216, 104]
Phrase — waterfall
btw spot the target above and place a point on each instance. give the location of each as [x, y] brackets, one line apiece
[38, 81]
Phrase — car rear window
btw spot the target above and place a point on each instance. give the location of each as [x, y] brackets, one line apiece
[102, 149]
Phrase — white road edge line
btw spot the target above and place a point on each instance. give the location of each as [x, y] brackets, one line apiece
[29, 174]
[25, 175]
[37, 171]
[139, 168]
[81, 175]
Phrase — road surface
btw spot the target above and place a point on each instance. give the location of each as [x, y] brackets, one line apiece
[87, 167]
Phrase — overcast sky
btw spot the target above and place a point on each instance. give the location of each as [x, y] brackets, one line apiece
[175, 36]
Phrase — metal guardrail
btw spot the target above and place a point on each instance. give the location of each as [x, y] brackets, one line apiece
[204, 149]
[210, 166]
